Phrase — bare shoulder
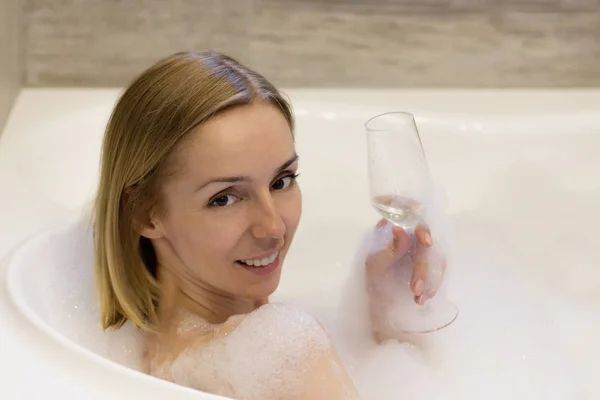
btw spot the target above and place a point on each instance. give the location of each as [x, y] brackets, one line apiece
[285, 324]
[277, 331]
[278, 348]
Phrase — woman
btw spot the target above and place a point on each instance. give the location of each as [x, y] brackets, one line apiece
[196, 209]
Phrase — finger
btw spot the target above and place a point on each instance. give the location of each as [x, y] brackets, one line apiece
[434, 280]
[401, 243]
[420, 272]
[423, 234]
[396, 245]
[399, 240]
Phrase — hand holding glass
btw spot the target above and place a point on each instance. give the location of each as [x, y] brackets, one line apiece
[401, 191]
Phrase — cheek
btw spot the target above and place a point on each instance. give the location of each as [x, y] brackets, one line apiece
[201, 236]
[291, 211]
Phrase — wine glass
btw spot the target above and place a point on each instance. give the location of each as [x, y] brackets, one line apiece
[402, 190]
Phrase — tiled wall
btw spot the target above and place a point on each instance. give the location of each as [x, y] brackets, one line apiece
[10, 56]
[342, 43]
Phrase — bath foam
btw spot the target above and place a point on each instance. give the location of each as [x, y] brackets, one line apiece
[267, 354]
[501, 346]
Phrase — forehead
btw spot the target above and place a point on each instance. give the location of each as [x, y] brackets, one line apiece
[238, 141]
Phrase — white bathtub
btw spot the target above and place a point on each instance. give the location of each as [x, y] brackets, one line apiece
[521, 171]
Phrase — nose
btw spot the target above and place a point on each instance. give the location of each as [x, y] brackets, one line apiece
[267, 221]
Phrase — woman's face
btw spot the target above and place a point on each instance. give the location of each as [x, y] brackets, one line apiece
[233, 205]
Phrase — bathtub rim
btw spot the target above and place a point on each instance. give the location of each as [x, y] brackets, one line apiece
[17, 298]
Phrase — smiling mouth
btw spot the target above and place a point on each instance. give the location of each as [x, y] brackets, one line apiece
[260, 262]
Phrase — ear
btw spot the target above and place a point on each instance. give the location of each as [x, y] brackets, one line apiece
[144, 223]
[149, 226]
[151, 231]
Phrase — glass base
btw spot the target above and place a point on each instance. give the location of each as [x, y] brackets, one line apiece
[434, 315]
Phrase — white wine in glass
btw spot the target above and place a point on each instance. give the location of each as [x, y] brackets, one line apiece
[401, 189]
[400, 210]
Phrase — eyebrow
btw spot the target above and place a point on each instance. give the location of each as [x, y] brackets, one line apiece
[241, 178]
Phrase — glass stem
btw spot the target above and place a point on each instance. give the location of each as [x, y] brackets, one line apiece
[412, 237]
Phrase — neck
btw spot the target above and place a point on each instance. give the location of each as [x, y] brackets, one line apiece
[201, 299]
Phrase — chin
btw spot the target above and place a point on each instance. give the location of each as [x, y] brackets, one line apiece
[261, 291]
[269, 287]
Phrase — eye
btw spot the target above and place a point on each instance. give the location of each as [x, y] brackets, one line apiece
[222, 200]
[283, 182]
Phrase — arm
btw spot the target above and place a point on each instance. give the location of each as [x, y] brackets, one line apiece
[327, 379]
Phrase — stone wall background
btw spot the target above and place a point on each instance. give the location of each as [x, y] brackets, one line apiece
[322, 43]
[11, 60]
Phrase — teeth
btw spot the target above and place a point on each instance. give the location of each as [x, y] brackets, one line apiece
[262, 262]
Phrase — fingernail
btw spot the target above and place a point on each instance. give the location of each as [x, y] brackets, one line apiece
[419, 286]
[421, 300]
[428, 239]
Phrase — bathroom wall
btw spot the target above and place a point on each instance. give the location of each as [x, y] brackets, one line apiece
[11, 70]
[334, 43]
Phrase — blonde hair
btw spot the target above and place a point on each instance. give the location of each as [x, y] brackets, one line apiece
[150, 119]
